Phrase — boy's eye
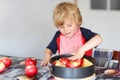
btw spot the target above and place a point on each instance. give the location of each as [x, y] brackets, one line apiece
[69, 25]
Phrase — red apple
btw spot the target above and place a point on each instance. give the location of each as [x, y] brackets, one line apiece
[31, 70]
[7, 61]
[30, 61]
[74, 63]
[2, 67]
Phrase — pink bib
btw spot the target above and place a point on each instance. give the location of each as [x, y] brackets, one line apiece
[72, 44]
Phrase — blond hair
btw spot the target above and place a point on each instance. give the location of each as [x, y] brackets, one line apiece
[64, 11]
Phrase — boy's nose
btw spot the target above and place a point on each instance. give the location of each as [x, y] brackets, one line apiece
[66, 30]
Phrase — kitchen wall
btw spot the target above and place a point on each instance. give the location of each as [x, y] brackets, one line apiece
[105, 22]
[26, 26]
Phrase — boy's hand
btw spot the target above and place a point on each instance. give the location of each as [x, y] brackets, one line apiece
[47, 57]
[77, 55]
[44, 62]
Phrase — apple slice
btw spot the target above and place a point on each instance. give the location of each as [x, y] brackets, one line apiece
[7, 61]
[2, 67]
[63, 60]
[74, 63]
[86, 63]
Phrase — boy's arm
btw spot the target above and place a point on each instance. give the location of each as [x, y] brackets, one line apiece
[47, 57]
[93, 42]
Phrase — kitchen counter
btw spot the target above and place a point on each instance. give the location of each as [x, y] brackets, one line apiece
[43, 72]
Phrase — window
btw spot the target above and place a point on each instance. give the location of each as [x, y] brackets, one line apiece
[98, 4]
[105, 4]
[115, 5]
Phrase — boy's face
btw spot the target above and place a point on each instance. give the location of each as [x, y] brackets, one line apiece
[69, 28]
